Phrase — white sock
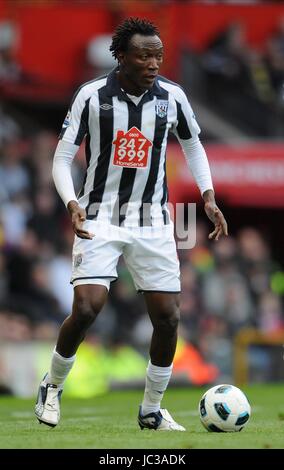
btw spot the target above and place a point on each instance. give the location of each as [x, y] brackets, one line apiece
[59, 369]
[157, 380]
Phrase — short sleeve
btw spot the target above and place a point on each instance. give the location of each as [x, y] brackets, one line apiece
[75, 125]
[186, 125]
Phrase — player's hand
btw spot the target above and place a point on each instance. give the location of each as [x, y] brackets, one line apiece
[78, 217]
[215, 215]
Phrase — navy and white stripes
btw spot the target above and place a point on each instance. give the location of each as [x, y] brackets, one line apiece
[121, 194]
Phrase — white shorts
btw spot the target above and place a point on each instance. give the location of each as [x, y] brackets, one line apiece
[149, 252]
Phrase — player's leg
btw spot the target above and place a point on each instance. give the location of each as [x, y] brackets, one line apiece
[94, 266]
[88, 302]
[163, 309]
[153, 263]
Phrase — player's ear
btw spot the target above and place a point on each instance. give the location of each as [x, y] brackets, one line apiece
[121, 58]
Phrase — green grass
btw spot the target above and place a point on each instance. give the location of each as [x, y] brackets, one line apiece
[109, 422]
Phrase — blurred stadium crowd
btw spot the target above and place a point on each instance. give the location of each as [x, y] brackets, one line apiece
[226, 286]
[244, 83]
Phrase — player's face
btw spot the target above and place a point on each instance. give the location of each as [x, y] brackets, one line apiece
[141, 63]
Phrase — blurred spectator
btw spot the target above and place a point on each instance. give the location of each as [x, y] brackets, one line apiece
[230, 58]
[14, 326]
[260, 82]
[3, 278]
[44, 302]
[15, 214]
[227, 55]
[216, 346]
[9, 129]
[200, 256]
[128, 307]
[275, 59]
[270, 315]
[19, 262]
[9, 69]
[40, 158]
[256, 263]
[14, 177]
[59, 275]
[225, 291]
[44, 215]
[190, 305]
[28, 281]
[237, 83]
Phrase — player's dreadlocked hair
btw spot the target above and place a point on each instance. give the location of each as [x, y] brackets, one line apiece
[127, 29]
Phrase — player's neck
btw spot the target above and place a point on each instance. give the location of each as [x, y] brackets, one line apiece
[128, 86]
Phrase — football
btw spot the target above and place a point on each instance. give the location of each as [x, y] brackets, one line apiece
[224, 408]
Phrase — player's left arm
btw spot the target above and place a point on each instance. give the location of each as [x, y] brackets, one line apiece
[187, 130]
[215, 215]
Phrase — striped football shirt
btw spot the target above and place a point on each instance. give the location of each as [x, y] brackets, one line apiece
[125, 146]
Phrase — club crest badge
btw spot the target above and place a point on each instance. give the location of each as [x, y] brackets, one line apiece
[162, 108]
[78, 260]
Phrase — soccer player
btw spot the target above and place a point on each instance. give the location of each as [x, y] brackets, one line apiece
[122, 208]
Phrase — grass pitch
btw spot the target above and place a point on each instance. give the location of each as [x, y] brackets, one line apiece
[110, 422]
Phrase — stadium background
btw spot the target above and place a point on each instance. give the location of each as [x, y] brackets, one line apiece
[230, 60]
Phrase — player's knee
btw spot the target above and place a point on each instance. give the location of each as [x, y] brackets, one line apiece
[86, 310]
[168, 319]
[173, 320]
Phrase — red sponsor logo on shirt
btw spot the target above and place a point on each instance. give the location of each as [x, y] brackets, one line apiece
[131, 149]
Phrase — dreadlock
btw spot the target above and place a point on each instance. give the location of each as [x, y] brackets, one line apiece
[127, 29]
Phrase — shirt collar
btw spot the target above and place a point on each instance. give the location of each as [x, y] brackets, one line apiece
[113, 88]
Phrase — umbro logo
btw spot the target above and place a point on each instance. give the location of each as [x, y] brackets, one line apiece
[106, 106]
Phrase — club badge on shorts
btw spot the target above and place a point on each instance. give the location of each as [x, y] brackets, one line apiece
[162, 108]
[78, 260]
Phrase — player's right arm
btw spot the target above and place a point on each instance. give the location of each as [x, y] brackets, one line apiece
[73, 131]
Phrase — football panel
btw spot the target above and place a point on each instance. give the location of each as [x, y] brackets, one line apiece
[202, 408]
[214, 428]
[222, 410]
[223, 389]
[242, 418]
